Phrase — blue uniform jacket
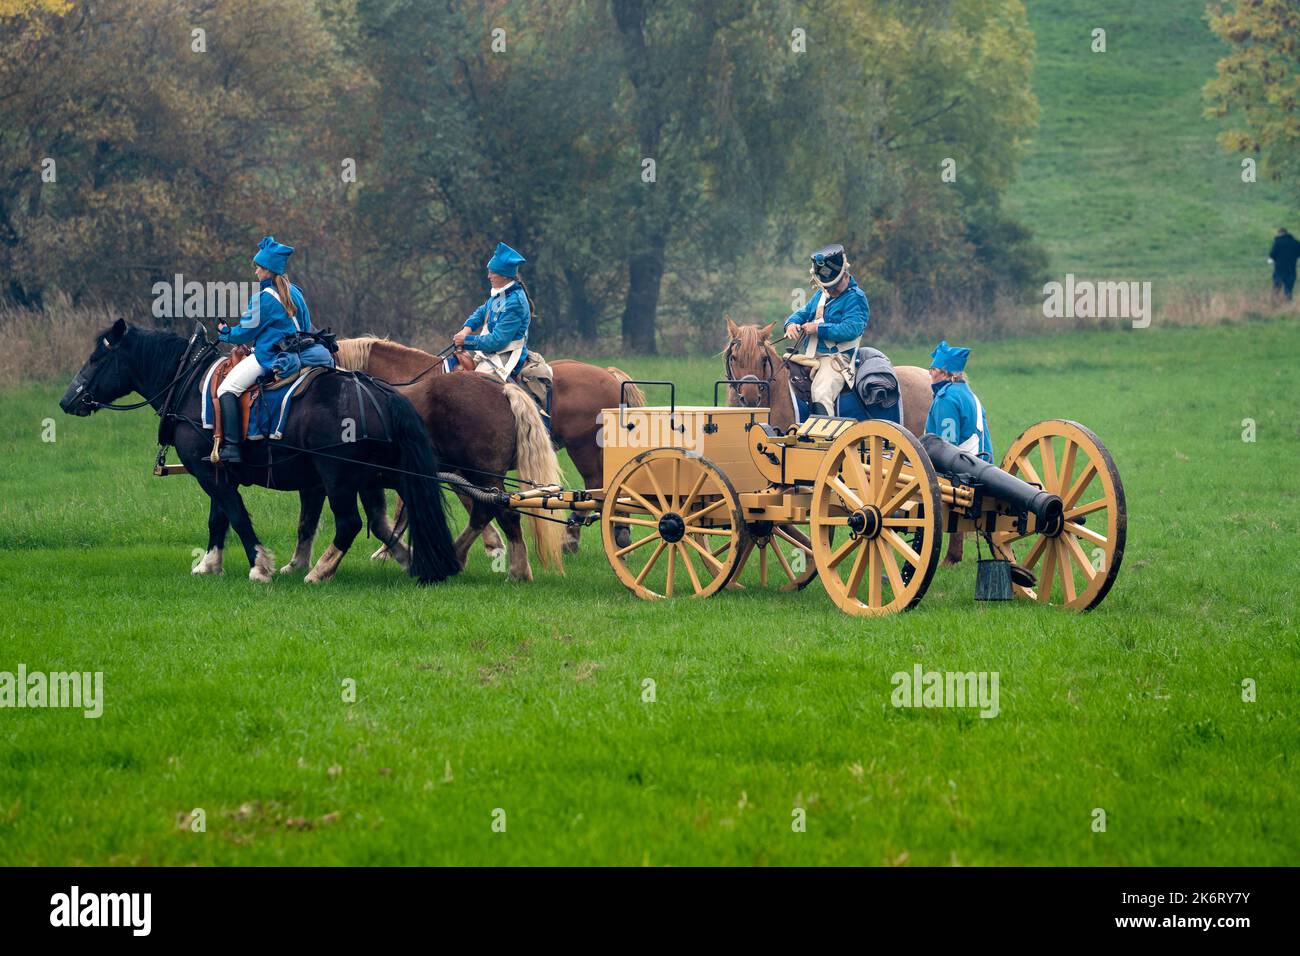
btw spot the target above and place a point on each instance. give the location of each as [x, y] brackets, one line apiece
[503, 318]
[952, 416]
[265, 322]
[845, 318]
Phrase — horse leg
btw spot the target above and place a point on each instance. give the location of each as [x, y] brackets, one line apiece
[218, 525]
[310, 504]
[372, 499]
[347, 525]
[479, 516]
[261, 562]
[586, 458]
[520, 570]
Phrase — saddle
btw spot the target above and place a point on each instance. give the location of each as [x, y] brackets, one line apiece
[250, 397]
[535, 377]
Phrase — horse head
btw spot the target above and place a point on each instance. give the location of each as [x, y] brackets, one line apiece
[749, 355]
[105, 377]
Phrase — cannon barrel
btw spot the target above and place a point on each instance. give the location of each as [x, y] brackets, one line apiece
[950, 460]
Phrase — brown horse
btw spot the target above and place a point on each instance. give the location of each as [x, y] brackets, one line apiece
[750, 352]
[481, 430]
[580, 392]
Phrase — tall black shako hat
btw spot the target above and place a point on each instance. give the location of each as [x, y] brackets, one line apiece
[828, 265]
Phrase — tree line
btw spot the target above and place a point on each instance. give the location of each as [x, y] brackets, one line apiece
[652, 158]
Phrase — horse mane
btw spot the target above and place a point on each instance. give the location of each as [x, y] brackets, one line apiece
[157, 348]
[750, 345]
[354, 354]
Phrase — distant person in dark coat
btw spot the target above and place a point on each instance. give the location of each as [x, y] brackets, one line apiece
[1283, 255]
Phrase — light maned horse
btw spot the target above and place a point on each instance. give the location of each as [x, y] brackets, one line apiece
[579, 392]
[750, 352]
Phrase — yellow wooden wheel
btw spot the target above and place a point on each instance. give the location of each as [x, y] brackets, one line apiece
[684, 519]
[775, 555]
[1076, 564]
[876, 491]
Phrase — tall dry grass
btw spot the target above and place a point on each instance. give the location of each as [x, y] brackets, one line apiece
[41, 346]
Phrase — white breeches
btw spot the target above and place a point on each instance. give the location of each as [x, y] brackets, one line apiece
[828, 380]
[242, 377]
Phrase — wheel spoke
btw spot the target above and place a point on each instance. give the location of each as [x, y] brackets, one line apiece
[785, 565]
[1034, 554]
[657, 512]
[672, 560]
[891, 569]
[891, 477]
[890, 506]
[1067, 462]
[874, 597]
[854, 471]
[664, 503]
[1047, 451]
[636, 544]
[901, 547]
[858, 566]
[846, 494]
[1080, 510]
[1086, 533]
[1067, 572]
[1085, 477]
[651, 563]
[690, 568]
[696, 516]
[639, 522]
[686, 501]
[1049, 572]
[842, 552]
[1075, 551]
[708, 558]
[1027, 468]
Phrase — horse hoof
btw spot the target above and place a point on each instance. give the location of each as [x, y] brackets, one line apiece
[200, 569]
[949, 562]
[289, 569]
[570, 547]
[259, 574]
[380, 555]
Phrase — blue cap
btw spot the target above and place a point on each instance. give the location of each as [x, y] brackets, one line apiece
[505, 261]
[273, 255]
[949, 358]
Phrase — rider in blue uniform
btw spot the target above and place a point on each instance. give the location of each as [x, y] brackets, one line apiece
[956, 415]
[497, 331]
[277, 310]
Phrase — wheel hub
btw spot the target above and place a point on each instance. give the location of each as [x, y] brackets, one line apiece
[866, 522]
[672, 528]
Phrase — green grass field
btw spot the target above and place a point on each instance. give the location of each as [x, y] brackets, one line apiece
[481, 694]
[1124, 179]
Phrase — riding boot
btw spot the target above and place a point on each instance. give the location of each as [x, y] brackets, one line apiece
[817, 408]
[231, 426]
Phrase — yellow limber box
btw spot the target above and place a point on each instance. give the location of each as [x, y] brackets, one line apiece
[716, 433]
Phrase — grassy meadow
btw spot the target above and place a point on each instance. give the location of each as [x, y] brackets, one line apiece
[481, 695]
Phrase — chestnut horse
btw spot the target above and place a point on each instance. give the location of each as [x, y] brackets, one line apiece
[580, 391]
[750, 352]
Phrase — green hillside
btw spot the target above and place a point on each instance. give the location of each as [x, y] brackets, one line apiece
[1125, 179]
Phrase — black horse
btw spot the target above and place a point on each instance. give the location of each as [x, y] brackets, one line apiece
[315, 456]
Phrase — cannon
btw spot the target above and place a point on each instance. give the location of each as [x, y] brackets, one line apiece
[965, 468]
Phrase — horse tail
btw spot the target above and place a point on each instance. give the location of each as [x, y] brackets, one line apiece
[635, 397]
[535, 460]
[433, 556]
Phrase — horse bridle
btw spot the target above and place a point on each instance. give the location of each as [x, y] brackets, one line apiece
[772, 370]
[86, 393]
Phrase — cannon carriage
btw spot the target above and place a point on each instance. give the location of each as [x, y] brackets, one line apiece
[694, 492]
